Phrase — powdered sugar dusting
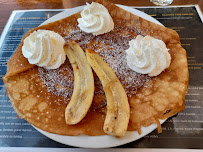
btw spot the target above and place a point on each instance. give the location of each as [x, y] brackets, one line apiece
[58, 81]
[111, 47]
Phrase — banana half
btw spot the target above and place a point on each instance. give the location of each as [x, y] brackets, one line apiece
[118, 109]
[83, 92]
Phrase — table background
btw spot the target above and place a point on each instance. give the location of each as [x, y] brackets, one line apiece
[181, 131]
[172, 130]
[7, 6]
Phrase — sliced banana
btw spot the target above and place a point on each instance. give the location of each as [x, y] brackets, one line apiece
[118, 110]
[83, 92]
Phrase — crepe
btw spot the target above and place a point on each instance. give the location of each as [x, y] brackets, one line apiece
[40, 96]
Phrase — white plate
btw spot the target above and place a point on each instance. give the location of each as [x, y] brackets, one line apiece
[106, 140]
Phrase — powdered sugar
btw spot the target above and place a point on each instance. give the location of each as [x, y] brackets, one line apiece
[111, 47]
[58, 81]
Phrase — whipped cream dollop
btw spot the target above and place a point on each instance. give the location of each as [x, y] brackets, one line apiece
[45, 49]
[95, 19]
[147, 55]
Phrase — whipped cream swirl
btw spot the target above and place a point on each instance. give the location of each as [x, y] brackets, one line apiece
[95, 19]
[148, 55]
[45, 49]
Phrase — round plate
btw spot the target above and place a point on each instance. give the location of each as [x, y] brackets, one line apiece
[106, 140]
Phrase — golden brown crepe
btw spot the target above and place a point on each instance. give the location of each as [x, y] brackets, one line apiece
[40, 96]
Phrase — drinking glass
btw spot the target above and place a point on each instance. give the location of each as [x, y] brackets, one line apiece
[161, 2]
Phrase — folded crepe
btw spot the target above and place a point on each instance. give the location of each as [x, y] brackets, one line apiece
[40, 96]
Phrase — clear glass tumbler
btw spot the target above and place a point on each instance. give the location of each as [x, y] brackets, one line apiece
[162, 2]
